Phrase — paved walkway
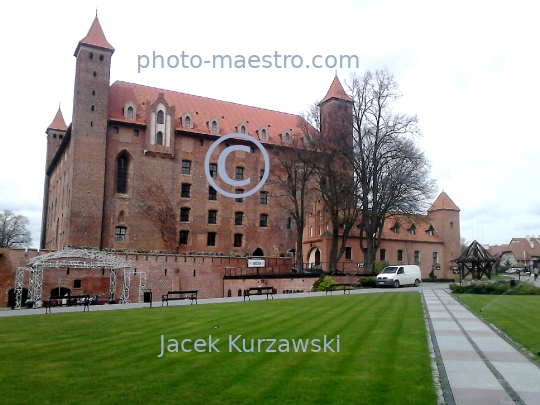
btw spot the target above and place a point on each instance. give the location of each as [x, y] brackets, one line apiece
[477, 366]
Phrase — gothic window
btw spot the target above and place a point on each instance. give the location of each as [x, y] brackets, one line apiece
[213, 126]
[129, 114]
[160, 117]
[242, 129]
[122, 175]
[187, 122]
[263, 134]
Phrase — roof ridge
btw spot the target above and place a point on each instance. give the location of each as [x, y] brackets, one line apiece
[204, 97]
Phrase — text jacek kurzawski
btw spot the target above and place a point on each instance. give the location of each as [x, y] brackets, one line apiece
[238, 344]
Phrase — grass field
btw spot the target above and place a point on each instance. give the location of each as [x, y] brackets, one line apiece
[517, 316]
[111, 357]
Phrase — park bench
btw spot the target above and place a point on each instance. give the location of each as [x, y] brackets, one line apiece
[179, 295]
[259, 291]
[339, 287]
[71, 300]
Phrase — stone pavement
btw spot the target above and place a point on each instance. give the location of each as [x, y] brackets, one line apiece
[476, 365]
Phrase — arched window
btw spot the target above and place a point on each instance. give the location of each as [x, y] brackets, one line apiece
[122, 175]
[263, 135]
[242, 129]
[187, 122]
[159, 138]
[129, 114]
[121, 217]
[214, 126]
[160, 117]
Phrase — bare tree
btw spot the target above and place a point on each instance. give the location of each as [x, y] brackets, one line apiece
[293, 181]
[336, 183]
[160, 211]
[393, 174]
[13, 231]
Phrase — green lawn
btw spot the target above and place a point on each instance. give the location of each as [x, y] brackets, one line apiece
[112, 357]
[516, 315]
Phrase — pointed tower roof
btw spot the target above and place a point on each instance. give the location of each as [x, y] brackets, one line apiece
[336, 91]
[443, 202]
[476, 253]
[95, 38]
[58, 122]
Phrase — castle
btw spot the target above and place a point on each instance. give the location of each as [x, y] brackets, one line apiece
[128, 175]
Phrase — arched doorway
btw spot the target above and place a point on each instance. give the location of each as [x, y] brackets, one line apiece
[314, 257]
[258, 252]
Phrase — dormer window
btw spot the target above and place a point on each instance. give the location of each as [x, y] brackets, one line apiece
[129, 111]
[242, 129]
[263, 134]
[286, 137]
[430, 230]
[412, 230]
[213, 124]
[395, 228]
[187, 122]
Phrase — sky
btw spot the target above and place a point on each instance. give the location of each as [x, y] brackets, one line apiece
[468, 69]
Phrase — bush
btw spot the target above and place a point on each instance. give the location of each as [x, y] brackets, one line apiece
[323, 283]
[367, 282]
[495, 288]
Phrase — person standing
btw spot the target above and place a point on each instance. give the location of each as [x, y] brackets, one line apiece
[535, 273]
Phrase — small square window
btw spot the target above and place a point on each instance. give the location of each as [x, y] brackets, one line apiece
[186, 167]
[348, 253]
[212, 217]
[120, 234]
[212, 193]
[186, 191]
[213, 169]
[238, 240]
[184, 236]
[135, 132]
[238, 218]
[184, 214]
[239, 199]
[239, 173]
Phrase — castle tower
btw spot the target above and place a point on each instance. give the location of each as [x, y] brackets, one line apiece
[444, 215]
[88, 138]
[336, 113]
[55, 134]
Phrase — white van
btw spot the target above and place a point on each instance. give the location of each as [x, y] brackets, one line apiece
[396, 276]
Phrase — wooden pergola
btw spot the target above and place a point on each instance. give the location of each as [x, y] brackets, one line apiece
[477, 261]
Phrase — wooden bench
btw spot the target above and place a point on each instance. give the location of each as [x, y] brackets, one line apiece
[180, 295]
[71, 300]
[338, 287]
[260, 290]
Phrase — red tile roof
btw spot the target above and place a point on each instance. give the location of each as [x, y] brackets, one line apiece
[336, 91]
[58, 122]
[443, 202]
[422, 225]
[202, 109]
[518, 246]
[95, 37]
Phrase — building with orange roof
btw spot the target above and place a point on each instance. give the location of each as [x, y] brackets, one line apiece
[520, 252]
